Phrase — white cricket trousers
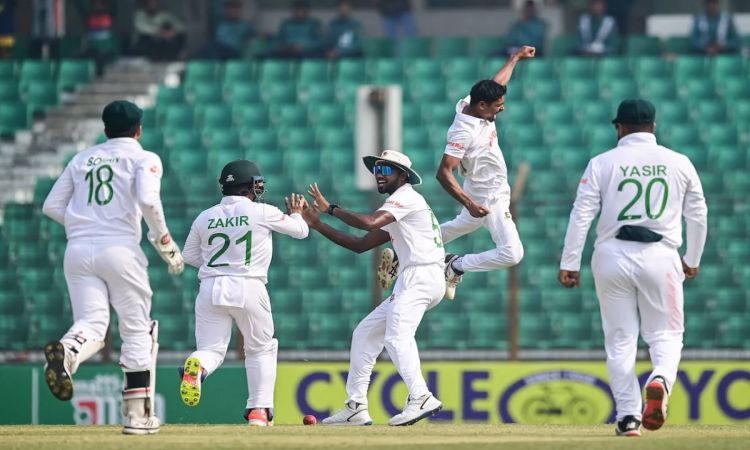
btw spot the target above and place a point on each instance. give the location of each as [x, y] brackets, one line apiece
[393, 325]
[508, 249]
[245, 301]
[639, 285]
[99, 274]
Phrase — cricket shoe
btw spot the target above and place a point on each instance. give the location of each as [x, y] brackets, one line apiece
[352, 414]
[452, 276]
[655, 412]
[192, 377]
[387, 269]
[141, 425]
[57, 371]
[629, 426]
[259, 417]
[416, 410]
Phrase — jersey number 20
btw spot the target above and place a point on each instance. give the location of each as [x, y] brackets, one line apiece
[638, 190]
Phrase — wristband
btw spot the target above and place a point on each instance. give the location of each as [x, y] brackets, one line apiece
[331, 207]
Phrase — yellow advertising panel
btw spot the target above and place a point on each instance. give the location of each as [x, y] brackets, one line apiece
[521, 392]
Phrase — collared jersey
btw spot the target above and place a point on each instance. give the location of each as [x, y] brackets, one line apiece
[638, 183]
[474, 142]
[234, 238]
[103, 190]
[416, 232]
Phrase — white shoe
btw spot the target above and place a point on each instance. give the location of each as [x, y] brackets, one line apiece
[141, 425]
[57, 370]
[349, 416]
[416, 410]
[452, 278]
[387, 269]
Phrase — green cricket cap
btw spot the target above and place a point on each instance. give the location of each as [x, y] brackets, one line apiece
[121, 115]
[635, 111]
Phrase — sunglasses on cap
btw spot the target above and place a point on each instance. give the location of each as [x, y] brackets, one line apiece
[382, 170]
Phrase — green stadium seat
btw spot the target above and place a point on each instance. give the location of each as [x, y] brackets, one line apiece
[595, 111]
[446, 332]
[386, 71]
[569, 158]
[279, 93]
[554, 134]
[733, 89]
[720, 134]
[581, 90]
[327, 115]
[273, 71]
[709, 111]
[733, 332]
[613, 68]
[152, 140]
[33, 70]
[490, 46]
[351, 70]
[252, 115]
[727, 157]
[219, 157]
[294, 138]
[74, 73]
[291, 331]
[658, 89]
[239, 72]
[291, 115]
[618, 89]
[427, 91]
[41, 95]
[328, 331]
[673, 112]
[451, 47]
[538, 69]
[575, 68]
[555, 112]
[462, 68]
[697, 154]
[696, 88]
[216, 116]
[241, 94]
[8, 91]
[728, 66]
[534, 331]
[414, 47]
[187, 160]
[264, 140]
[221, 138]
[315, 93]
[8, 70]
[424, 69]
[313, 71]
[378, 47]
[168, 96]
[689, 67]
[648, 67]
[564, 45]
[679, 45]
[198, 71]
[336, 137]
[178, 118]
[203, 93]
[640, 45]
[542, 90]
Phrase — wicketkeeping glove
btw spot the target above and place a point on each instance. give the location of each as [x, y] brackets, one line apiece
[169, 252]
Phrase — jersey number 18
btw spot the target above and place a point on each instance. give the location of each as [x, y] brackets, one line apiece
[100, 190]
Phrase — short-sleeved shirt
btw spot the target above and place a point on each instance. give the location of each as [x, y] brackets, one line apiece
[416, 232]
[474, 142]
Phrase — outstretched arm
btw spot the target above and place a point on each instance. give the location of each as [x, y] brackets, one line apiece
[367, 222]
[357, 244]
[503, 75]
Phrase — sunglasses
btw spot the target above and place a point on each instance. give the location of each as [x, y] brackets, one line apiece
[382, 170]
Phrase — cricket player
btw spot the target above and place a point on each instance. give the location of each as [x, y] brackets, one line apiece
[231, 245]
[407, 220]
[642, 191]
[473, 149]
[100, 199]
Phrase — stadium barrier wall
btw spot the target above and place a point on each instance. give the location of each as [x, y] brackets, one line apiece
[707, 392]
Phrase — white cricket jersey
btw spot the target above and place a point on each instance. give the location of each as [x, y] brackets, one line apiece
[416, 232]
[638, 183]
[474, 142]
[234, 238]
[105, 190]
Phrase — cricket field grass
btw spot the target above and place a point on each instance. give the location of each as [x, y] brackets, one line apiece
[425, 436]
